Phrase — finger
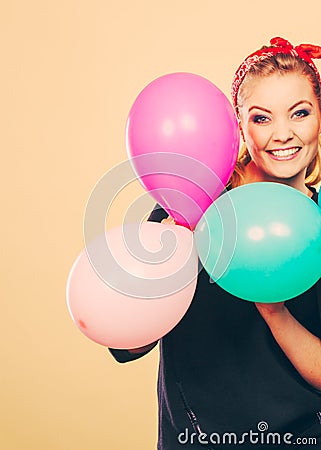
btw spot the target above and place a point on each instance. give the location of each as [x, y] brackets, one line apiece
[168, 221]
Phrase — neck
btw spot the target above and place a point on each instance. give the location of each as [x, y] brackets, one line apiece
[253, 175]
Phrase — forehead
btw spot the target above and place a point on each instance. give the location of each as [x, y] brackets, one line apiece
[276, 91]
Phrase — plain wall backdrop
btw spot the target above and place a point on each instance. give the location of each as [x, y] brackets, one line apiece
[70, 71]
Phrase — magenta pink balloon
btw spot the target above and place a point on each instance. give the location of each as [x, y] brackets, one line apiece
[187, 118]
[146, 290]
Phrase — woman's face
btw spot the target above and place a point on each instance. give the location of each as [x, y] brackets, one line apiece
[280, 119]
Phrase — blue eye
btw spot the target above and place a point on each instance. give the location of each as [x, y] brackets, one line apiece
[260, 119]
[301, 113]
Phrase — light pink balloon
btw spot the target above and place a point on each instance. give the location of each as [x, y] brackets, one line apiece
[187, 118]
[106, 311]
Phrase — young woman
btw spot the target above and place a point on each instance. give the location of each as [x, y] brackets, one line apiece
[233, 373]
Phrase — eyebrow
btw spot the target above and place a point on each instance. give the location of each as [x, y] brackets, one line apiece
[290, 109]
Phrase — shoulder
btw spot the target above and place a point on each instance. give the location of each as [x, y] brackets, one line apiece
[158, 214]
[315, 193]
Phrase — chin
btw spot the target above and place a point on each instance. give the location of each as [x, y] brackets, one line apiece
[284, 176]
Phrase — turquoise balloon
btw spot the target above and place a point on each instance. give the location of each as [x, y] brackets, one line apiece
[261, 242]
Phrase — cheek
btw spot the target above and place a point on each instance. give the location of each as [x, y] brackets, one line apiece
[311, 136]
[316, 134]
[310, 133]
[256, 139]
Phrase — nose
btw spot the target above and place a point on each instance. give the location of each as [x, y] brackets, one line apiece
[282, 131]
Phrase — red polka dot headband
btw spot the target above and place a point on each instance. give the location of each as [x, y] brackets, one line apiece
[278, 45]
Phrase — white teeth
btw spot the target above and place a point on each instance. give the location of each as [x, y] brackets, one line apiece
[286, 152]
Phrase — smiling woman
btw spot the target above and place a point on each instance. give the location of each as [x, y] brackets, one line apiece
[277, 99]
[229, 364]
[283, 135]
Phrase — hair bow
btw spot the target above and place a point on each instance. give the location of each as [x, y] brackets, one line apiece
[278, 45]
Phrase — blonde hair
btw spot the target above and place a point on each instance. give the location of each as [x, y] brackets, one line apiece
[280, 63]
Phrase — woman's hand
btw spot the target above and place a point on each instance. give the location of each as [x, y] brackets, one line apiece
[301, 347]
[268, 309]
[169, 221]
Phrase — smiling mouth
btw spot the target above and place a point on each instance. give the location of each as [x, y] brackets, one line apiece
[286, 153]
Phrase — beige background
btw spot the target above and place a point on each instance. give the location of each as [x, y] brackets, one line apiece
[70, 71]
